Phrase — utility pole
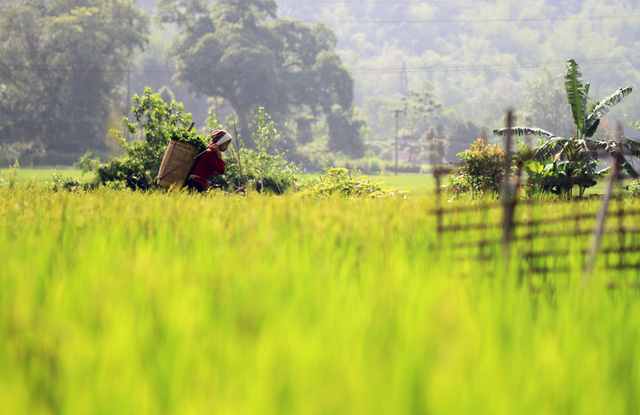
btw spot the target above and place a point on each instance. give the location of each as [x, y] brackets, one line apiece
[404, 81]
[127, 103]
[397, 114]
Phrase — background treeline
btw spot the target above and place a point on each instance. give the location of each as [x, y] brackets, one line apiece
[442, 73]
[480, 56]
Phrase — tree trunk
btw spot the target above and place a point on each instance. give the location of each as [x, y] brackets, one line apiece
[244, 132]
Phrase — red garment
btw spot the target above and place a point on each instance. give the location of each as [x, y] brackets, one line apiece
[207, 165]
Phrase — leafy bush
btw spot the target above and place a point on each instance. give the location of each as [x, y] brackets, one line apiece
[65, 183]
[160, 122]
[263, 170]
[559, 176]
[269, 172]
[157, 123]
[339, 181]
[482, 171]
[633, 188]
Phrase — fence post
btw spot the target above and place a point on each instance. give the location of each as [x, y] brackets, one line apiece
[437, 172]
[602, 216]
[508, 198]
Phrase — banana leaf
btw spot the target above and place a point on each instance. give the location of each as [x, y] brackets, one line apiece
[631, 148]
[577, 94]
[555, 149]
[524, 131]
[628, 166]
[601, 108]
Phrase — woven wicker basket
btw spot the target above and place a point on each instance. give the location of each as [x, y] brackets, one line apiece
[176, 165]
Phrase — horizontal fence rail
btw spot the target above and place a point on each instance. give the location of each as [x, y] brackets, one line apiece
[598, 230]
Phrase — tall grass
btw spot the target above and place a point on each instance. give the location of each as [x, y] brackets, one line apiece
[115, 302]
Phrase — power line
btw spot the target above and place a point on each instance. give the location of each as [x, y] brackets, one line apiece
[471, 68]
[374, 70]
[436, 21]
[403, 2]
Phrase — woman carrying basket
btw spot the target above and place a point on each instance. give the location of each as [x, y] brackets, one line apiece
[210, 162]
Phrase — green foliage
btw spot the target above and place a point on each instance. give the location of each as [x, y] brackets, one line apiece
[422, 111]
[559, 177]
[157, 123]
[264, 169]
[12, 178]
[577, 95]
[62, 62]
[526, 131]
[265, 131]
[587, 118]
[344, 133]
[546, 106]
[61, 182]
[264, 136]
[269, 173]
[241, 51]
[633, 188]
[569, 162]
[340, 181]
[482, 171]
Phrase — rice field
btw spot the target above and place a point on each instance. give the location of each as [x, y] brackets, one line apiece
[118, 302]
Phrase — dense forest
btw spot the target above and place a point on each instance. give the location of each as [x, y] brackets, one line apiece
[445, 69]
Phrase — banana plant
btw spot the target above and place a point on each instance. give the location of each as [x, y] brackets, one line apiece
[574, 161]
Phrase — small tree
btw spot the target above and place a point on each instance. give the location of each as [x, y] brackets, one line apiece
[264, 136]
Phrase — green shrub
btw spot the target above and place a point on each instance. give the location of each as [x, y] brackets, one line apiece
[157, 123]
[70, 184]
[263, 170]
[482, 171]
[160, 123]
[340, 181]
[278, 175]
[633, 188]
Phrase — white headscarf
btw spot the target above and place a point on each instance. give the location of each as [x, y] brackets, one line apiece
[226, 137]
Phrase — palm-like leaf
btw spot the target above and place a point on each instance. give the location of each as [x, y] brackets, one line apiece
[631, 148]
[554, 149]
[601, 108]
[577, 94]
[524, 131]
[577, 157]
[628, 166]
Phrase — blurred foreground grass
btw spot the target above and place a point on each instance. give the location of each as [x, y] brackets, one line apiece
[118, 302]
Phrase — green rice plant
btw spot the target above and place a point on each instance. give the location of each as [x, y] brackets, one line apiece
[12, 176]
[117, 302]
